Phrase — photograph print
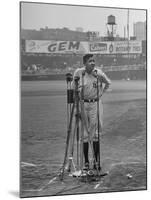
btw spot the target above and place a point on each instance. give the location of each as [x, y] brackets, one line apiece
[83, 99]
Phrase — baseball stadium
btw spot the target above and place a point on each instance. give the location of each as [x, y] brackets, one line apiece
[47, 55]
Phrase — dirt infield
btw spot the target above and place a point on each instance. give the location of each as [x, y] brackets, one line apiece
[43, 135]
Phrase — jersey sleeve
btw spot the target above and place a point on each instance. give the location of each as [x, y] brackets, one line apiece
[104, 79]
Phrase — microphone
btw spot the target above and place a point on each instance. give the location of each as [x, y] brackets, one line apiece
[69, 77]
[76, 78]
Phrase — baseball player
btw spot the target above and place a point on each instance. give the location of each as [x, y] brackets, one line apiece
[94, 83]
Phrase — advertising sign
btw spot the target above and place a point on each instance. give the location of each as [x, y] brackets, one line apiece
[62, 47]
[41, 46]
[128, 47]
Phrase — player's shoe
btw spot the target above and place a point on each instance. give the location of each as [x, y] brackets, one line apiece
[96, 166]
[86, 166]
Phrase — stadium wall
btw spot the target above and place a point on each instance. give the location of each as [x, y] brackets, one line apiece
[113, 75]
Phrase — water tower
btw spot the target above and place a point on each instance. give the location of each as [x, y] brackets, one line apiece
[111, 27]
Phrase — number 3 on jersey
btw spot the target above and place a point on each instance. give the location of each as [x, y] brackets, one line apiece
[94, 84]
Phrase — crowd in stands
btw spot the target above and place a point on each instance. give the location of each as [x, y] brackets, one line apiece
[63, 63]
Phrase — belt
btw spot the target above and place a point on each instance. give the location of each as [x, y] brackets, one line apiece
[90, 100]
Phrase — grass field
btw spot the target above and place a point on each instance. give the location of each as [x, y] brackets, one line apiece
[43, 136]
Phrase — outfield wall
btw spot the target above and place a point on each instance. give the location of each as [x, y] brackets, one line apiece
[113, 75]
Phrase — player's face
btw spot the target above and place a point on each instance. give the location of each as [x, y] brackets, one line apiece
[90, 64]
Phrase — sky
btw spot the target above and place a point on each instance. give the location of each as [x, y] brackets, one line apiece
[40, 15]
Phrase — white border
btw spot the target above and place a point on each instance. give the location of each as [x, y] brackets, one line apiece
[9, 113]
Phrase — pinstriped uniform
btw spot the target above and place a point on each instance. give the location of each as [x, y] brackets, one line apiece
[89, 84]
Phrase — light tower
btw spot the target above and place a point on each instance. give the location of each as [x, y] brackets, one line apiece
[111, 27]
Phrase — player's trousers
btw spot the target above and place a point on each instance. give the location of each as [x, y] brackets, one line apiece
[90, 116]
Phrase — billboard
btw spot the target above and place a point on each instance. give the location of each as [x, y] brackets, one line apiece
[116, 47]
[60, 47]
[64, 47]
[125, 47]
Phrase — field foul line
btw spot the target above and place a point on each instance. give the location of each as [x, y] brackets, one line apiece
[40, 189]
[127, 163]
[51, 181]
[97, 185]
[32, 190]
[26, 164]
